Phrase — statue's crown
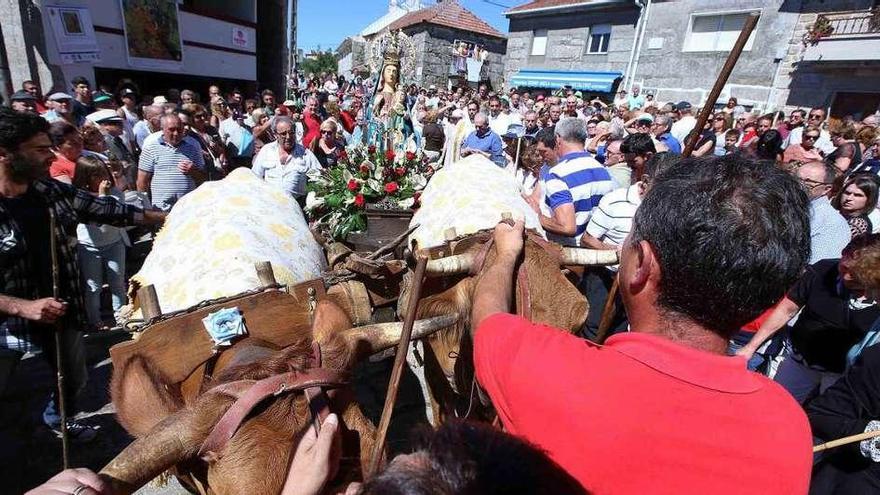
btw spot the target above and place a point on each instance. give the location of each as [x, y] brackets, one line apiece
[391, 52]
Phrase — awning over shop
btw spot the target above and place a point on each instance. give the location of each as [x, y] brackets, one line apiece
[556, 79]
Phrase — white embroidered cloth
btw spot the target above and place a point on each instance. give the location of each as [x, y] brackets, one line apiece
[214, 235]
[470, 195]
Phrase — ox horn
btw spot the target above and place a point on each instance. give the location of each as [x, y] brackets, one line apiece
[451, 265]
[581, 256]
[148, 456]
[382, 336]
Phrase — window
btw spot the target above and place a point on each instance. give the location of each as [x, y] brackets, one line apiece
[600, 36]
[539, 43]
[716, 32]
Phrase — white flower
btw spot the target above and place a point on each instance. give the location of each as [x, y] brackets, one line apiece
[418, 181]
[313, 201]
[406, 203]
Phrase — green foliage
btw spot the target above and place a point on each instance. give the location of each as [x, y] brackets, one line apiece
[324, 62]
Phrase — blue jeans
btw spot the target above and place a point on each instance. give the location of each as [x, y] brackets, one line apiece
[803, 380]
[762, 357]
[99, 265]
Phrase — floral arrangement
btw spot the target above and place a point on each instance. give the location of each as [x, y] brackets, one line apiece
[364, 175]
[820, 29]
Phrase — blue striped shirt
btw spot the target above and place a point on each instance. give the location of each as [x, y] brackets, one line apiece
[160, 159]
[580, 180]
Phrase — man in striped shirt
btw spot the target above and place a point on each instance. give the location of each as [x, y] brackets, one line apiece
[171, 166]
[573, 186]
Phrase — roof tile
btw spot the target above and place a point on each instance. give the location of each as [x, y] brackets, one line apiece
[447, 13]
[543, 4]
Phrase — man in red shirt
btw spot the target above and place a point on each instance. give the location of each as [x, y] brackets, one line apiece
[662, 409]
[311, 121]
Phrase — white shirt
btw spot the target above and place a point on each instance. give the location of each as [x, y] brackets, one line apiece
[499, 124]
[683, 127]
[612, 220]
[824, 144]
[289, 175]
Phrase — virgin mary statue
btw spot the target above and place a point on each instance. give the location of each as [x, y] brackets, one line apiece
[386, 127]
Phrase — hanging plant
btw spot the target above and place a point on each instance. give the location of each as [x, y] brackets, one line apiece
[820, 29]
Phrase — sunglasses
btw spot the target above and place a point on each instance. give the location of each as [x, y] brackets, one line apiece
[327, 133]
[810, 137]
[815, 116]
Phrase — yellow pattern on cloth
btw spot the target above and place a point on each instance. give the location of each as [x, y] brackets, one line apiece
[215, 234]
[470, 195]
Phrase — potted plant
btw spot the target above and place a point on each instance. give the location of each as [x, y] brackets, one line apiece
[820, 29]
[365, 187]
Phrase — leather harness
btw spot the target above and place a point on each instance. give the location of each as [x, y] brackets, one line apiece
[311, 382]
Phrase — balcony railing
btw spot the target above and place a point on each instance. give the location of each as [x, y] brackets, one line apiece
[853, 24]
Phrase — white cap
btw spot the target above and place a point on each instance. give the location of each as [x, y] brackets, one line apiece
[432, 87]
[59, 96]
[457, 113]
[104, 117]
[159, 100]
[288, 103]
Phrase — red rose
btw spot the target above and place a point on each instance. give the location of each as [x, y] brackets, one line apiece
[365, 169]
[400, 171]
[410, 156]
[371, 149]
[343, 156]
[389, 155]
[359, 200]
[353, 185]
[391, 187]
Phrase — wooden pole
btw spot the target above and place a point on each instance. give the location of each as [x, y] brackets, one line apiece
[846, 440]
[60, 401]
[709, 106]
[399, 362]
[265, 273]
[149, 302]
[607, 311]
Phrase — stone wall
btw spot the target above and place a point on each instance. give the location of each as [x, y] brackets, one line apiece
[434, 54]
[675, 74]
[567, 38]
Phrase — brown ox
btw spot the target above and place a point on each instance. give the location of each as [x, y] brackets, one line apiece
[171, 423]
[544, 294]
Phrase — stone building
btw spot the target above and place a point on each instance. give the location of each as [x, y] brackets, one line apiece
[676, 49]
[436, 29]
[216, 41]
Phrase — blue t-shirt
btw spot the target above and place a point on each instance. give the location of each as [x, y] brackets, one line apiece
[669, 140]
[489, 143]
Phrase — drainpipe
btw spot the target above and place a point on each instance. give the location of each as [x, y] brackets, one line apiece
[632, 50]
[641, 41]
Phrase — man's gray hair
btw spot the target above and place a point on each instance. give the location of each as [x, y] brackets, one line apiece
[278, 119]
[153, 111]
[664, 121]
[166, 117]
[481, 115]
[572, 130]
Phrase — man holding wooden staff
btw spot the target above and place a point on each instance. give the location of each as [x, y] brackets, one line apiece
[28, 306]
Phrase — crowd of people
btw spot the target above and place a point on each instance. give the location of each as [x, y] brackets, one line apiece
[762, 248]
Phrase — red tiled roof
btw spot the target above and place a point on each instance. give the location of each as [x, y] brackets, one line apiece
[447, 13]
[543, 4]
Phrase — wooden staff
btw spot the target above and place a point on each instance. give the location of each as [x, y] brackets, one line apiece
[59, 361]
[709, 106]
[846, 440]
[399, 361]
[691, 143]
[607, 311]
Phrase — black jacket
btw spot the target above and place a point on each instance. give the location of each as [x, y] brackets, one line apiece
[843, 410]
